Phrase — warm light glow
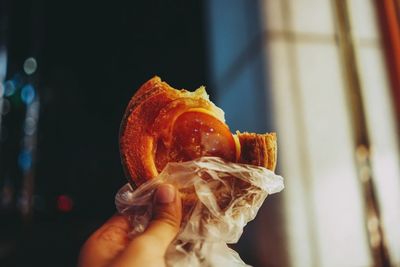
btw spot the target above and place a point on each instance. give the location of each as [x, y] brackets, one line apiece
[64, 203]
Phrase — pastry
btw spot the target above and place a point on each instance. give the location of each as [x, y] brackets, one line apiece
[162, 124]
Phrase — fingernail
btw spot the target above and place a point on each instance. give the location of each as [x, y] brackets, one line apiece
[165, 194]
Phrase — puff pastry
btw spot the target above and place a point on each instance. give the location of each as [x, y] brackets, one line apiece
[162, 124]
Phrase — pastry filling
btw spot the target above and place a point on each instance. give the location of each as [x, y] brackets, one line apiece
[196, 134]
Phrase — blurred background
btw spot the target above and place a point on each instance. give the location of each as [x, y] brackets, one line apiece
[323, 74]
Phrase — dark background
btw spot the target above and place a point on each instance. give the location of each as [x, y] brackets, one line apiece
[91, 55]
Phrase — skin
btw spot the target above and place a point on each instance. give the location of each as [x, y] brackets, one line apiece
[109, 246]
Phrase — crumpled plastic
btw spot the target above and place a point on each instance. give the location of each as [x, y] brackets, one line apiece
[218, 199]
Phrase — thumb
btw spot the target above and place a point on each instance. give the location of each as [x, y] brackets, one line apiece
[165, 222]
[148, 248]
[167, 215]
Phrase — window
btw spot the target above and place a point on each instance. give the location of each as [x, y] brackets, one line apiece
[324, 74]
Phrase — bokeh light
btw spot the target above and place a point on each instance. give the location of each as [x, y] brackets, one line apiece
[30, 65]
[25, 160]
[64, 203]
[9, 88]
[30, 126]
[27, 94]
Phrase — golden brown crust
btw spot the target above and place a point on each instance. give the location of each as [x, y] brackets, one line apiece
[136, 141]
[258, 149]
[149, 116]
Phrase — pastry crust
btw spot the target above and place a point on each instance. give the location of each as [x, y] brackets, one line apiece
[150, 115]
[136, 140]
[258, 149]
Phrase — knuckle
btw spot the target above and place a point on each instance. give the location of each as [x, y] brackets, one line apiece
[114, 234]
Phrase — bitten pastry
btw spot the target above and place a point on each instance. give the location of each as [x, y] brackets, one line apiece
[162, 124]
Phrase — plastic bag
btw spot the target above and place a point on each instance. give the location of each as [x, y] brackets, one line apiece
[218, 198]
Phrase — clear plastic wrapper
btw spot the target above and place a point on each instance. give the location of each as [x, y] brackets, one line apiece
[218, 198]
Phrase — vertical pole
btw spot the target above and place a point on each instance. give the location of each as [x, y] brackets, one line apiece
[360, 134]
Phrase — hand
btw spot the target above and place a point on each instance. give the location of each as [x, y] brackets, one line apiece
[110, 246]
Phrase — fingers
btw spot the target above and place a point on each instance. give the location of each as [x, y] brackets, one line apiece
[150, 246]
[167, 215]
[106, 243]
[109, 245]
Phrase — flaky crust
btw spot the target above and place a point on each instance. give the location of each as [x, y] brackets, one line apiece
[258, 149]
[136, 140]
[150, 110]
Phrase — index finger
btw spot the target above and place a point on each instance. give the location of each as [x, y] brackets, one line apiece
[106, 243]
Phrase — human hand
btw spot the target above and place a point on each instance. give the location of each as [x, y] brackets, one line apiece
[110, 246]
